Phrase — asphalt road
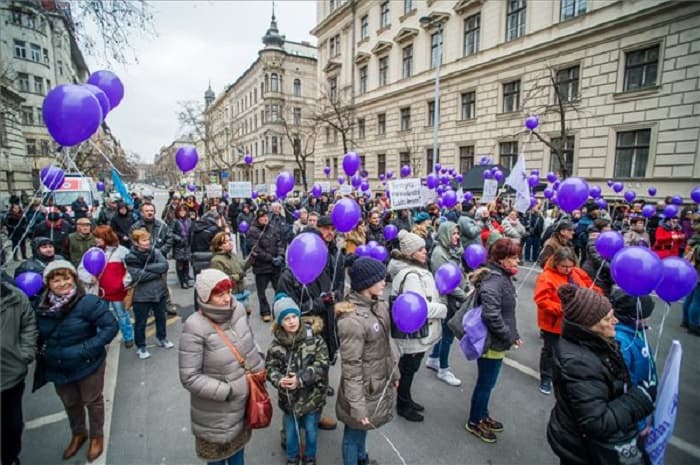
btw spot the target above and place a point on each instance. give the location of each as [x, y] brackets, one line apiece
[148, 409]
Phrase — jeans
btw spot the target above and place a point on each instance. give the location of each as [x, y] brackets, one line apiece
[235, 459]
[408, 366]
[533, 244]
[309, 423]
[122, 316]
[485, 382]
[261, 282]
[12, 423]
[354, 445]
[442, 348]
[691, 308]
[141, 310]
[547, 355]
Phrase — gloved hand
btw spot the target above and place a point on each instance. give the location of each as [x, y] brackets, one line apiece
[648, 387]
[277, 261]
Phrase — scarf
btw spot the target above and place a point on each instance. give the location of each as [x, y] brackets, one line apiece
[59, 301]
[184, 224]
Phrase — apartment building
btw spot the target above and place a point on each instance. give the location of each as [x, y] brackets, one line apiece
[625, 73]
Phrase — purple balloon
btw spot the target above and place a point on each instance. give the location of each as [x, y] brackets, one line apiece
[602, 203]
[379, 253]
[284, 183]
[652, 191]
[531, 122]
[71, 114]
[186, 158]
[459, 178]
[551, 176]
[405, 171]
[488, 174]
[110, 85]
[676, 200]
[572, 194]
[533, 180]
[432, 180]
[609, 243]
[389, 174]
[52, 177]
[533, 202]
[556, 184]
[191, 187]
[475, 255]
[409, 311]
[595, 192]
[447, 278]
[437, 167]
[390, 232]
[248, 159]
[440, 190]
[351, 163]
[341, 180]
[670, 211]
[630, 196]
[356, 181]
[382, 176]
[364, 186]
[316, 190]
[94, 261]
[494, 169]
[617, 187]
[364, 173]
[254, 194]
[536, 172]
[679, 279]
[444, 180]
[346, 214]
[306, 257]
[327, 170]
[243, 227]
[102, 98]
[449, 198]
[438, 202]
[362, 251]
[637, 270]
[468, 196]
[610, 182]
[548, 193]
[30, 283]
[100, 186]
[372, 244]
[648, 211]
[695, 194]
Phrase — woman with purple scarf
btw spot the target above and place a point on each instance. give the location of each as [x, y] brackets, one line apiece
[181, 245]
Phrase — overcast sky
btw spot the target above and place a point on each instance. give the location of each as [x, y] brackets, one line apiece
[197, 41]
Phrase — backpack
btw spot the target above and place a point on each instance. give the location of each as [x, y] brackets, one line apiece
[396, 333]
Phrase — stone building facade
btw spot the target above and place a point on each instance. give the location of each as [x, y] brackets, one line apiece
[256, 114]
[627, 74]
[16, 171]
[37, 52]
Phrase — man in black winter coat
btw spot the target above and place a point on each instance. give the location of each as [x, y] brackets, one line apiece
[201, 234]
[161, 238]
[267, 252]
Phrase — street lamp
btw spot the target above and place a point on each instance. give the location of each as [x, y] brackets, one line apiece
[426, 22]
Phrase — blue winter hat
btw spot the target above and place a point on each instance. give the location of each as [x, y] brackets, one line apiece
[420, 217]
[284, 306]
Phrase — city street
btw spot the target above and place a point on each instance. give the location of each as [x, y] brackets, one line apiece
[148, 409]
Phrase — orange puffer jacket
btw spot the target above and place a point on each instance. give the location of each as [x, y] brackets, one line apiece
[549, 311]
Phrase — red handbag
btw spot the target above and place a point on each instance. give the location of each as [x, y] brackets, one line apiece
[258, 410]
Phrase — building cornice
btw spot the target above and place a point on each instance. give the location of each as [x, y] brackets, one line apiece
[328, 20]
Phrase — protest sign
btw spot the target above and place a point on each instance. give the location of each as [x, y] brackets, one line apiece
[406, 193]
[490, 191]
[214, 190]
[240, 190]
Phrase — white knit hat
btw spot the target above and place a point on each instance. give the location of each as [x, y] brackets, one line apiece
[57, 265]
[207, 281]
[410, 243]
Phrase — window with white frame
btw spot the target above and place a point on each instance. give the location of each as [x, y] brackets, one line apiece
[20, 49]
[384, 14]
[27, 115]
[572, 8]
[31, 147]
[431, 112]
[407, 6]
[363, 80]
[381, 124]
[334, 46]
[508, 154]
[632, 153]
[466, 158]
[297, 116]
[511, 96]
[641, 68]
[407, 61]
[45, 53]
[567, 153]
[297, 88]
[274, 83]
[23, 82]
[567, 80]
[35, 53]
[468, 105]
[38, 85]
[383, 70]
[364, 27]
[405, 118]
[515, 19]
[472, 29]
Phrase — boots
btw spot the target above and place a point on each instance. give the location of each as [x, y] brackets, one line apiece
[95, 449]
[405, 409]
[74, 446]
[327, 423]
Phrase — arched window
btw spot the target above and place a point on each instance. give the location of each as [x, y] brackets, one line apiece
[297, 88]
[274, 83]
[267, 82]
[262, 88]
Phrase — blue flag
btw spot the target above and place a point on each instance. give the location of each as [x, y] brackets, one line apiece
[121, 188]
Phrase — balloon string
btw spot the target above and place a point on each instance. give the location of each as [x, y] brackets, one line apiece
[661, 330]
[104, 156]
[597, 274]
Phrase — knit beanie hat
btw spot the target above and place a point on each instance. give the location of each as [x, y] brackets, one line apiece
[366, 272]
[208, 280]
[57, 265]
[409, 243]
[625, 306]
[583, 306]
[284, 306]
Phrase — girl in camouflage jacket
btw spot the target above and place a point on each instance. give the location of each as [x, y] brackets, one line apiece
[297, 366]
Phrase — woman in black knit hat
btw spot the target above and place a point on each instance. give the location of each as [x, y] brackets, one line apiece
[595, 418]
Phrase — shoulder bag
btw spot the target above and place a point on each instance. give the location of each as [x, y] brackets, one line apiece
[258, 411]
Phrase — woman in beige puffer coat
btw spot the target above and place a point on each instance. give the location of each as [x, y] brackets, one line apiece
[208, 369]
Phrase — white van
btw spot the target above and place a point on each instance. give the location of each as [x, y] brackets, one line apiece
[74, 186]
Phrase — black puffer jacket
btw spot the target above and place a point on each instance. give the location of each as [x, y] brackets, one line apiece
[147, 269]
[265, 243]
[121, 224]
[181, 238]
[595, 400]
[160, 234]
[375, 233]
[497, 297]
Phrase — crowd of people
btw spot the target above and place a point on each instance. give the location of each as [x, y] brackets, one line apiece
[214, 243]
